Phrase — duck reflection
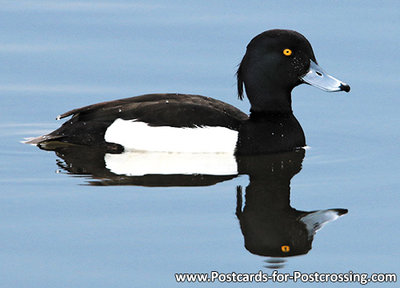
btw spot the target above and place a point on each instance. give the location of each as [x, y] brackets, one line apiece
[144, 169]
[270, 226]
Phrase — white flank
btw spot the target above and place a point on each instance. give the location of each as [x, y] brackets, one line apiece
[143, 163]
[139, 136]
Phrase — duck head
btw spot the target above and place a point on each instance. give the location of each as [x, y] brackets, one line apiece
[275, 62]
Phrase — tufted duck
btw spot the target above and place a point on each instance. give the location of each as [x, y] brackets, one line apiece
[275, 62]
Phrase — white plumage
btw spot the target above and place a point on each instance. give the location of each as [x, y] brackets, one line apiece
[139, 136]
[145, 163]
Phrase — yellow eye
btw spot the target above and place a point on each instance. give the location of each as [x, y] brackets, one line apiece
[286, 248]
[287, 52]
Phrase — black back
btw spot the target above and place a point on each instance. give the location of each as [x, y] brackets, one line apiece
[88, 124]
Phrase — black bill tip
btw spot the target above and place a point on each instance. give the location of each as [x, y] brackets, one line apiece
[344, 87]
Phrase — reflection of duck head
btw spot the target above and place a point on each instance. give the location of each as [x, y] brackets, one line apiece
[270, 226]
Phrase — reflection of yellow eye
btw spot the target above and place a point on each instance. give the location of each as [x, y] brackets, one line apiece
[287, 52]
[285, 248]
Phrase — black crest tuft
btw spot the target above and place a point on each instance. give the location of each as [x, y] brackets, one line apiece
[240, 82]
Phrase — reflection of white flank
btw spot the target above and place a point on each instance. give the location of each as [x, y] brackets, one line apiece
[142, 163]
[136, 135]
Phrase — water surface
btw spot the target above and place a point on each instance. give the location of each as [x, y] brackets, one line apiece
[66, 228]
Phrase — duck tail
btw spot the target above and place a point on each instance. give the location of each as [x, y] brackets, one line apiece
[41, 139]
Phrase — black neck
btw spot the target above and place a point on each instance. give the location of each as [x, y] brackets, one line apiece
[260, 115]
[269, 99]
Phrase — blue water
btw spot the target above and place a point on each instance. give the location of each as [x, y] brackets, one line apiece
[59, 231]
